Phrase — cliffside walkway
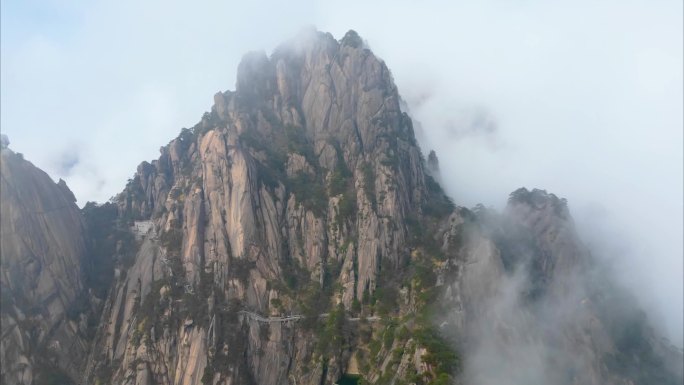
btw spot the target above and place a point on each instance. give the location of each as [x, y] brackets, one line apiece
[297, 317]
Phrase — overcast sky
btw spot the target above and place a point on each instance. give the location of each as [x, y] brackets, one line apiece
[581, 98]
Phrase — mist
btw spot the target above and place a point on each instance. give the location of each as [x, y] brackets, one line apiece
[543, 310]
[512, 344]
[583, 99]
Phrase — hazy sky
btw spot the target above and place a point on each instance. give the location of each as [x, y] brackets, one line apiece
[582, 98]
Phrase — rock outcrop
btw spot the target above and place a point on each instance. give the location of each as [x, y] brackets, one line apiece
[43, 248]
[291, 196]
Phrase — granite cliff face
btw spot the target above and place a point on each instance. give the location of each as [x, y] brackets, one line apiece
[291, 196]
[296, 235]
[43, 247]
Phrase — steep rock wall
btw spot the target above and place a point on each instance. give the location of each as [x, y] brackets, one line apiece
[292, 195]
[43, 250]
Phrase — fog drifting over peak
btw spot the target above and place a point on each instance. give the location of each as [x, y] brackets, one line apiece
[581, 98]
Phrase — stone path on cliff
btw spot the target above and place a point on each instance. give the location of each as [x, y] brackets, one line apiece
[296, 317]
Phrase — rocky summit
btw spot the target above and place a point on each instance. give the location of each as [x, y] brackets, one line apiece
[297, 235]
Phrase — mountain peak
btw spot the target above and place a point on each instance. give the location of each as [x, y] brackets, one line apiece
[352, 39]
[306, 177]
[539, 200]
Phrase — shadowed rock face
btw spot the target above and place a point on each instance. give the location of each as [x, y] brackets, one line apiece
[42, 248]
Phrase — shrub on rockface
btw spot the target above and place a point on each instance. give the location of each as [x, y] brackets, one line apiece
[48, 374]
[333, 334]
[297, 142]
[346, 208]
[368, 174]
[308, 192]
[438, 205]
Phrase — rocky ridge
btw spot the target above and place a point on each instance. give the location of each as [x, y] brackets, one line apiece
[43, 295]
[528, 299]
[291, 196]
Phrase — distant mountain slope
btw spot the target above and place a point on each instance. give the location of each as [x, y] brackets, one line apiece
[528, 304]
[42, 247]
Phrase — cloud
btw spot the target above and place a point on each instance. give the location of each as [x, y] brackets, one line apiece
[581, 98]
[67, 161]
[538, 313]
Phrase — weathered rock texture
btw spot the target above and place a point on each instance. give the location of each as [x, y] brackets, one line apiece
[42, 249]
[292, 195]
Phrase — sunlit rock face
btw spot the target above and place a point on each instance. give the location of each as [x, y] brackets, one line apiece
[43, 248]
[299, 183]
